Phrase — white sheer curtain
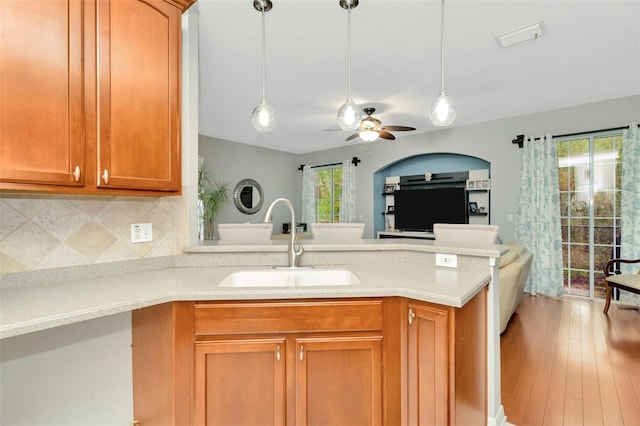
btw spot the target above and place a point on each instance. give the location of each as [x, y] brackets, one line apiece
[538, 219]
[630, 183]
[308, 214]
[348, 195]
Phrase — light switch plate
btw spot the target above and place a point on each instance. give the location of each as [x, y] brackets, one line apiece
[141, 232]
[447, 260]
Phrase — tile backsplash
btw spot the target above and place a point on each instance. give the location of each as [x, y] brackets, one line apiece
[49, 231]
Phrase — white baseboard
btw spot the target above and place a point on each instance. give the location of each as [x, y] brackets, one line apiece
[499, 419]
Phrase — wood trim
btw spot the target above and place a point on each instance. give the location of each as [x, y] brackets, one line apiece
[469, 400]
[394, 369]
[183, 5]
[287, 317]
[162, 359]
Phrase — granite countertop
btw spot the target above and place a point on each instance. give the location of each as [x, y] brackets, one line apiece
[387, 269]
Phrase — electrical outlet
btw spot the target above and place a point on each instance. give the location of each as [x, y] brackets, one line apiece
[447, 260]
[141, 232]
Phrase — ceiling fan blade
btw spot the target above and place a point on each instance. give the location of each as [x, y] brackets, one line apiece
[352, 137]
[398, 128]
[386, 135]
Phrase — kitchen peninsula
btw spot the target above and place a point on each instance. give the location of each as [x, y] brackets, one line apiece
[401, 290]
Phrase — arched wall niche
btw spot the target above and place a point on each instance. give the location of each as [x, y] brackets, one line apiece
[435, 162]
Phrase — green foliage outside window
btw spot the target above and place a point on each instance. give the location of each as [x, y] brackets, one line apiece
[328, 190]
[589, 177]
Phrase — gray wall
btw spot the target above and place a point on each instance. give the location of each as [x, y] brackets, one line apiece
[276, 171]
[491, 141]
[77, 374]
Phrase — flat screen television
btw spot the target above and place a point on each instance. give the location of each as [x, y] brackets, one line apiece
[419, 209]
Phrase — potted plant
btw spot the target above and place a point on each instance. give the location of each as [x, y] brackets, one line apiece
[212, 195]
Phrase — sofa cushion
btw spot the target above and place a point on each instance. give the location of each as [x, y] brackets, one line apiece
[513, 279]
[515, 250]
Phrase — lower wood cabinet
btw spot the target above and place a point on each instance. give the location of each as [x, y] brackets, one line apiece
[240, 382]
[333, 380]
[279, 363]
[447, 363]
[388, 361]
[338, 380]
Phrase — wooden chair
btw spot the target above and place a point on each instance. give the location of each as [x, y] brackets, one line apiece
[614, 279]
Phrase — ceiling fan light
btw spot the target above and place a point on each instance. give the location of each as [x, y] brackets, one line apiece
[349, 115]
[443, 111]
[369, 135]
[263, 118]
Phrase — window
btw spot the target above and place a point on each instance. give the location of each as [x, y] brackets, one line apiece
[328, 191]
[589, 172]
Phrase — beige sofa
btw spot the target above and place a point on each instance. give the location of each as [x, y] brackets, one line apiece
[514, 266]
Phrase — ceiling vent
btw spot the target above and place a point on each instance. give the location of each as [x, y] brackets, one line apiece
[531, 32]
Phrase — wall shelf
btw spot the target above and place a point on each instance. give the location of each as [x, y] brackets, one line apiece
[476, 183]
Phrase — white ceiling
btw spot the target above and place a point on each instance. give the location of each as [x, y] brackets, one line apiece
[590, 52]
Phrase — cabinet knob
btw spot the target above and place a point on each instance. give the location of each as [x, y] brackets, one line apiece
[105, 176]
[76, 174]
[301, 353]
[278, 352]
[412, 316]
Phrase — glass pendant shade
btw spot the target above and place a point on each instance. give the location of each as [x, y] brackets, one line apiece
[369, 135]
[443, 111]
[349, 115]
[263, 118]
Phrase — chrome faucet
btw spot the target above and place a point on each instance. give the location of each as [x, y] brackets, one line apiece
[295, 250]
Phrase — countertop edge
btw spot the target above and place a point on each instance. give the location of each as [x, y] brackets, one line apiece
[44, 322]
[46, 299]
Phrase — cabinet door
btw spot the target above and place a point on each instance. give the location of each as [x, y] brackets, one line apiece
[139, 95]
[240, 382]
[338, 381]
[41, 92]
[427, 367]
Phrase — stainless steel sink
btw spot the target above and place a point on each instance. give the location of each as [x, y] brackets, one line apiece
[291, 278]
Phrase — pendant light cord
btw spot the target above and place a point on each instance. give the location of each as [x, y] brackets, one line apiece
[264, 72]
[442, 49]
[349, 53]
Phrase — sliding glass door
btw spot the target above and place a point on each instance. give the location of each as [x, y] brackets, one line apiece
[589, 170]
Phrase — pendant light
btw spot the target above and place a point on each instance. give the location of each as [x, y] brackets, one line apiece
[350, 113]
[263, 117]
[443, 110]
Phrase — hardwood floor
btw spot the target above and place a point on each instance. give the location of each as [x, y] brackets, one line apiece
[564, 362]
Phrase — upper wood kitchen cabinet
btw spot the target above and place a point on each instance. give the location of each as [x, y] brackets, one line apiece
[139, 95]
[91, 96]
[42, 111]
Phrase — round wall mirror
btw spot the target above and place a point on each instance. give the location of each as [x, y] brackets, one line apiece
[248, 196]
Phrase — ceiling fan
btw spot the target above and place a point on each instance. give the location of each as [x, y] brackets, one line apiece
[371, 128]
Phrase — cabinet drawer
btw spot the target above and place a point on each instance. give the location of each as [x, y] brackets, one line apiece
[287, 317]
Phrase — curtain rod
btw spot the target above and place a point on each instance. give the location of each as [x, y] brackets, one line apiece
[354, 161]
[520, 138]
